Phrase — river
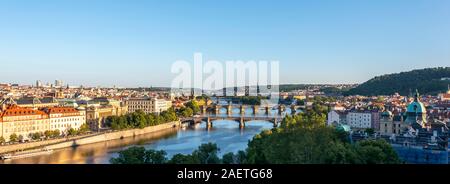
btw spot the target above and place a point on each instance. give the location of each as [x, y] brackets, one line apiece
[225, 133]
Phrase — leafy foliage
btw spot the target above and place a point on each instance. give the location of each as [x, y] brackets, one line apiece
[427, 81]
[140, 120]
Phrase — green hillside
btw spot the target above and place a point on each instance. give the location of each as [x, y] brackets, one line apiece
[427, 81]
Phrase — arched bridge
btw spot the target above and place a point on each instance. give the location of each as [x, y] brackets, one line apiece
[242, 120]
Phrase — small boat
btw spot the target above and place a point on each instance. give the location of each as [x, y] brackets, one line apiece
[27, 154]
[5, 157]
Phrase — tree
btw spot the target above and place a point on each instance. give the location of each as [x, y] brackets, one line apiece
[228, 158]
[2, 140]
[21, 138]
[182, 159]
[376, 152]
[83, 129]
[13, 137]
[194, 106]
[186, 112]
[72, 132]
[36, 136]
[207, 154]
[155, 157]
[370, 131]
[133, 155]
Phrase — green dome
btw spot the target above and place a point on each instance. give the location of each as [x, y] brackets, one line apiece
[416, 106]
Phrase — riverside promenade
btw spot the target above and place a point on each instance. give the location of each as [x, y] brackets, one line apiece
[86, 139]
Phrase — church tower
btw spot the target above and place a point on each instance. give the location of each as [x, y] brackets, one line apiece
[416, 113]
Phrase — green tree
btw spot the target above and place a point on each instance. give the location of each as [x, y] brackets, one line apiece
[376, 152]
[228, 158]
[2, 140]
[186, 112]
[13, 137]
[83, 129]
[207, 154]
[133, 155]
[155, 157]
[182, 159]
[370, 131]
[36, 136]
[72, 132]
[194, 106]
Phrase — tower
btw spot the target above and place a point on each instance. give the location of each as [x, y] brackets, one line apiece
[416, 113]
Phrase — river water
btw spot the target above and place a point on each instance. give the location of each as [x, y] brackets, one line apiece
[225, 133]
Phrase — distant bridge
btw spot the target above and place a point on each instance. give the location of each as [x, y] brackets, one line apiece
[242, 120]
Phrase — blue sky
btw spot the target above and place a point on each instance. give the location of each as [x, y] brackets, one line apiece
[134, 42]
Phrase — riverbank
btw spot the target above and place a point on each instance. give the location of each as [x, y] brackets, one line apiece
[87, 139]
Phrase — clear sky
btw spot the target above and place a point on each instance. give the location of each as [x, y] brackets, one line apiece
[134, 42]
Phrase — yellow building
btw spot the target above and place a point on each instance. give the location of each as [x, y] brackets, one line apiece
[23, 122]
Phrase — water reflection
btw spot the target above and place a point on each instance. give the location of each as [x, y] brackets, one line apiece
[226, 134]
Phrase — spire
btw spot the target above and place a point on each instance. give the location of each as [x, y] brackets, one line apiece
[416, 96]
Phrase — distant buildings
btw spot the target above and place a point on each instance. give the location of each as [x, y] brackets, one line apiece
[59, 83]
[148, 105]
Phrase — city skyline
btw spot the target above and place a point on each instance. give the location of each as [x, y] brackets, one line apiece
[134, 43]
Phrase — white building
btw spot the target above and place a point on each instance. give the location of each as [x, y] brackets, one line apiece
[148, 105]
[337, 117]
[359, 120]
[65, 118]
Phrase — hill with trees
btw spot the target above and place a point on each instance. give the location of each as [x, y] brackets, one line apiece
[427, 81]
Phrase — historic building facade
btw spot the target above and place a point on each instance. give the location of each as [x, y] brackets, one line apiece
[65, 118]
[22, 122]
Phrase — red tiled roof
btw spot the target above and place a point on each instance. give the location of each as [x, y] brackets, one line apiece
[53, 110]
[15, 110]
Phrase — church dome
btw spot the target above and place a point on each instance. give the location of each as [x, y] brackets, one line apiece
[416, 106]
[386, 114]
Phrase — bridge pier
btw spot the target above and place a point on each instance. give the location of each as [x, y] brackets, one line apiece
[229, 109]
[242, 109]
[203, 108]
[242, 123]
[216, 109]
[267, 110]
[209, 123]
[255, 109]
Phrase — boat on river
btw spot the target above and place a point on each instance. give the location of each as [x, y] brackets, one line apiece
[26, 154]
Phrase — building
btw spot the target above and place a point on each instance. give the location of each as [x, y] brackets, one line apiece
[336, 117]
[22, 122]
[65, 118]
[391, 124]
[101, 109]
[38, 83]
[148, 105]
[30, 102]
[59, 83]
[416, 113]
[359, 119]
[161, 105]
[445, 97]
[37, 103]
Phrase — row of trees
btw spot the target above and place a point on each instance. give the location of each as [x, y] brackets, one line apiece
[205, 154]
[140, 119]
[48, 134]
